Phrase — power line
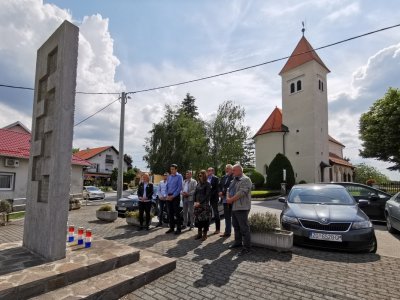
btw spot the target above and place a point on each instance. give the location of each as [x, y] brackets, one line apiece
[228, 72]
[264, 63]
[32, 89]
[87, 118]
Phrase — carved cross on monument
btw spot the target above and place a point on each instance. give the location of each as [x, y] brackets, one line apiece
[51, 144]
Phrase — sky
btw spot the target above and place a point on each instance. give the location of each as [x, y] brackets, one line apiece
[134, 45]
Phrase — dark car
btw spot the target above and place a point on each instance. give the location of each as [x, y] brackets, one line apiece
[392, 214]
[131, 203]
[326, 216]
[375, 210]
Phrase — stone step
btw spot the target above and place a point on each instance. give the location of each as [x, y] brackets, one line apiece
[79, 264]
[116, 283]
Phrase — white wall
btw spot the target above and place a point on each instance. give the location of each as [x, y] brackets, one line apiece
[267, 147]
[336, 149]
[21, 179]
[306, 115]
[103, 166]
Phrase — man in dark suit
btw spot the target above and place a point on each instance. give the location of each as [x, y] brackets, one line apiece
[214, 198]
[145, 194]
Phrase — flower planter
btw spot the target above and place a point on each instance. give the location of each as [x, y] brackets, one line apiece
[132, 221]
[279, 240]
[108, 216]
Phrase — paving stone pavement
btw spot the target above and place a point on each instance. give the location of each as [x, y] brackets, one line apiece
[209, 270]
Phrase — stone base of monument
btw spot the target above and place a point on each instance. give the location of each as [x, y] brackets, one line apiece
[107, 270]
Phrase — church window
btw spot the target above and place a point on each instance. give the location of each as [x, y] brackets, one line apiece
[298, 85]
[292, 88]
[320, 85]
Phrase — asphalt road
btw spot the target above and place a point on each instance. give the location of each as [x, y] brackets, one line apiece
[388, 244]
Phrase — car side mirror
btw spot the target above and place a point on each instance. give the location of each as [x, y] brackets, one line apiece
[282, 199]
[363, 203]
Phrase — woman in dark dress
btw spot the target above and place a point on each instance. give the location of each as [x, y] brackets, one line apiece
[202, 212]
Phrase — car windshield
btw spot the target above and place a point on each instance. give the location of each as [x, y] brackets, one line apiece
[92, 189]
[320, 195]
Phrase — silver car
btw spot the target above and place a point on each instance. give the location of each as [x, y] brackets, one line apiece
[92, 192]
[392, 213]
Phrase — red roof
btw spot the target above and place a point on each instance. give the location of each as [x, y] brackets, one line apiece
[273, 123]
[89, 153]
[17, 144]
[336, 159]
[303, 53]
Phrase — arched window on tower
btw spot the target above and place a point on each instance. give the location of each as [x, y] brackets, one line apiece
[298, 85]
[292, 88]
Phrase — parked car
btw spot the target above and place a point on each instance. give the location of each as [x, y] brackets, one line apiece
[92, 192]
[375, 209]
[131, 203]
[327, 216]
[392, 213]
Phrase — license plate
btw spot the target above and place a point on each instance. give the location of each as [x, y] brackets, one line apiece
[326, 236]
[121, 208]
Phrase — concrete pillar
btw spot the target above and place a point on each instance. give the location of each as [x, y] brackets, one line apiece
[51, 144]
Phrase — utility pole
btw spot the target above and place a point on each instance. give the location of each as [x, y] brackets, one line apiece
[121, 147]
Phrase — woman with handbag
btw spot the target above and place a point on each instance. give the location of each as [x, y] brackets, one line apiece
[202, 211]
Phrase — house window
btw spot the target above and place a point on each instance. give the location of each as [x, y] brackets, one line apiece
[321, 85]
[298, 85]
[292, 90]
[7, 181]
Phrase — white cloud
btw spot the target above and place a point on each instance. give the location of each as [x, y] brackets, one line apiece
[347, 11]
[370, 82]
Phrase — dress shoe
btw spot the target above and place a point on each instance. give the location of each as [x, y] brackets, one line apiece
[159, 224]
[169, 231]
[183, 227]
[147, 228]
[216, 232]
[235, 246]
[178, 232]
[225, 235]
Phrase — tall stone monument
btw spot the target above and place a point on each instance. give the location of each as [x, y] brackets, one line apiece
[51, 144]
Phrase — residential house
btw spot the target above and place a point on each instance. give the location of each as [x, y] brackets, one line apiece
[300, 129]
[14, 163]
[103, 160]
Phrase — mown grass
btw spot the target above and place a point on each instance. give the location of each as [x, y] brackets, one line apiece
[263, 194]
[16, 215]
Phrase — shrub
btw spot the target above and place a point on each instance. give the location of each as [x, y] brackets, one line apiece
[263, 222]
[135, 214]
[257, 179]
[5, 206]
[302, 182]
[264, 194]
[275, 173]
[105, 207]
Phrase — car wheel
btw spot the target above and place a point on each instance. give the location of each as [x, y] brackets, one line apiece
[389, 224]
[374, 246]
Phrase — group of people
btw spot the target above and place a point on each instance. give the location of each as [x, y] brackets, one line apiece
[199, 200]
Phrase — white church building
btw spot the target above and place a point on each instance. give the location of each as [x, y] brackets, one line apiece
[300, 129]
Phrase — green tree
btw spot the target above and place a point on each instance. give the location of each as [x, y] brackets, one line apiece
[128, 160]
[365, 172]
[178, 138]
[189, 107]
[227, 135]
[275, 172]
[249, 157]
[130, 175]
[380, 130]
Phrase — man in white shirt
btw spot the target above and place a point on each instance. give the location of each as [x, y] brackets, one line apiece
[188, 189]
[162, 197]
